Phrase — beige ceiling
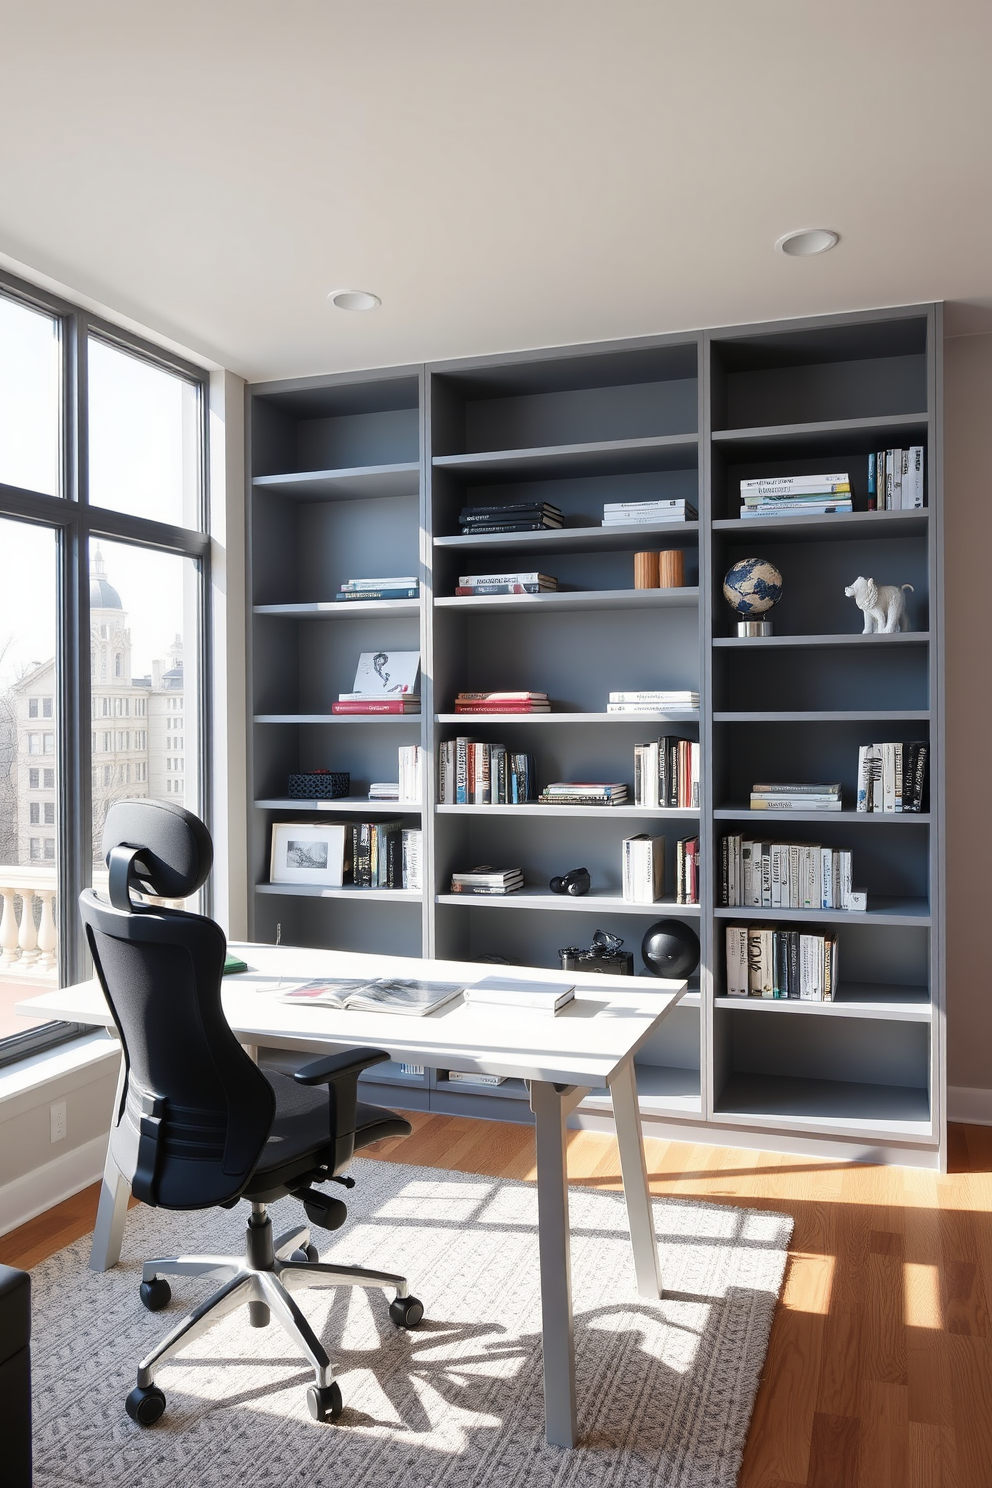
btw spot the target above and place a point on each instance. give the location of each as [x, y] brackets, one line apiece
[503, 174]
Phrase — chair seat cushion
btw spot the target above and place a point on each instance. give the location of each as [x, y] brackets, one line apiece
[300, 1134]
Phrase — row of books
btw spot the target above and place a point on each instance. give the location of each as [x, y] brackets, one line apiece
[515, 516]
[647, 513]
[763, 961]
[506, 583]
[660, 700]
[796, 495]
[487, 880]
[794, 796]
[403, 587]
[891, 777]
[386, 855]
[502, 702]
[666, 773]
[642, 869]
[895, 479]
[410, 785]
[473, 773]
[786, 875]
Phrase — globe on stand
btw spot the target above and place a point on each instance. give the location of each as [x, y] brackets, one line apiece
[751, 587]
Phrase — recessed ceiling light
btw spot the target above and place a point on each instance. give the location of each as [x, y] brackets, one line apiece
[809, 240]
[354, 299]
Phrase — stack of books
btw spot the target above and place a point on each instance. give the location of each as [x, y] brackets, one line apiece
[796, 495]
[396, 588]
[643, 868]
[509, 583]
[518, 516]
[647, 513]
[666, 773]
[793, 797]
[784, 875]
[385, 682]
[584, 793]
[384, 790]
[377, 855]
[411, 772]
[660, 701]
[895, 479]
[687, 870]
[486, 880]
[523, 997]
[360, 702]
[891, 777]
[765, 962]
[413, 856]
[502, 702]
[472, 773]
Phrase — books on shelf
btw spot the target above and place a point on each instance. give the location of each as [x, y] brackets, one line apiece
[384, 790]
[521, 996]
[475, 773]
[411, 772]
[793, 796]
[508, 583]
[391, 588]
[666, 773]
[346, 704]
[467, 1077]
[659, 701]
[784, 875]
[796, 495]
[375, 995]
[412, 857]
[643, 868]
[687, 870]
[895, 479]
[892, 777]
[486, 880]
[502, 702]
[385, 682]
[377, 854]
[647, 513]
[763, 961]
[584, 793]
[518, 516]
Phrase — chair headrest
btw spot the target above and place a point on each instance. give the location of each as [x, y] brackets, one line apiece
[175, 853]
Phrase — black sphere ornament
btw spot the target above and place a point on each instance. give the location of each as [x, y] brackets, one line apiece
[670, 949]
[575, 882]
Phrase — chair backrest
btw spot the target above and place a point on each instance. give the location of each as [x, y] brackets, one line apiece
[195, 1111]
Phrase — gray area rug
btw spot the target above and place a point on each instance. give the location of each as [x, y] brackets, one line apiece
[665, 1389]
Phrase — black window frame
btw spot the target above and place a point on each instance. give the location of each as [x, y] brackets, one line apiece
[76, 524]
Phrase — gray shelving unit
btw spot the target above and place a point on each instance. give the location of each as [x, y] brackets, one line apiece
[365, 474]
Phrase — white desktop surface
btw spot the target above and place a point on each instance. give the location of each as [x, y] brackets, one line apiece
[589, 1045]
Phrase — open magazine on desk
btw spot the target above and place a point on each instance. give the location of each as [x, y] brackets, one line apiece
[375, 994]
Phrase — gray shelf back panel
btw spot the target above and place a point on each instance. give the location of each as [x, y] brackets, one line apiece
[366, 750]
[303, 552]
[827, 1049]
[815, 575]
[806, 752]
[347, 924]
[580, 498]
[296, 671]
[831, 1105]
[676, 1043]
[336, 427]
[841, 679]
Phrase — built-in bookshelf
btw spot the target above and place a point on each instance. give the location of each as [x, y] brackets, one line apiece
[366, 474]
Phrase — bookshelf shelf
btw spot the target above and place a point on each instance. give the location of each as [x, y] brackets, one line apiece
[530, 898]
[359, 483]
[585, 599]
[363, 474]
[613, 539]
[556, 462]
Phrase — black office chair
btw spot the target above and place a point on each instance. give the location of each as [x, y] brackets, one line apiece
[199, 1123]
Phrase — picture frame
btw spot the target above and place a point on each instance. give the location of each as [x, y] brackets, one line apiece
[306, 852]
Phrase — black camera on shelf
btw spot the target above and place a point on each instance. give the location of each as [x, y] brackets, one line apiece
[604, 955]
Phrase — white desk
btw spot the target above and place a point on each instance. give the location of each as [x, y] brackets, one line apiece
[590, 1045]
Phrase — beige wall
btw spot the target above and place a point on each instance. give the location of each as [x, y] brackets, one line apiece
[968, 671]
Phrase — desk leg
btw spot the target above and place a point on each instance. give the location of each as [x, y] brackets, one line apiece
[556, 1266]
[644, 1242]
[108, 1232]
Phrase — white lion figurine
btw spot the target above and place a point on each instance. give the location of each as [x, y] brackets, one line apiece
[884, 605]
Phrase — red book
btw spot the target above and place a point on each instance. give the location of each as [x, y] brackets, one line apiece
[501, 708]
[376, 705]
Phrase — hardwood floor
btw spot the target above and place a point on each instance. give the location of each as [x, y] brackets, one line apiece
[878, 1373]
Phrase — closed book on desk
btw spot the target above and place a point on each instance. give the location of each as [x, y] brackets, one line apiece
[522, 996]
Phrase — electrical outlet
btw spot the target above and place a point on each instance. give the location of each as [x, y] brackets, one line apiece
[57, 1113]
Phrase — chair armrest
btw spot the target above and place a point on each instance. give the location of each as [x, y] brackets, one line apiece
[335, 1066]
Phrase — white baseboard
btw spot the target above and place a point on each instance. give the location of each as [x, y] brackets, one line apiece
[35, 1192]
[970, 1104]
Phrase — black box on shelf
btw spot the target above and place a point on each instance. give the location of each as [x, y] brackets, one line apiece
[319, 785]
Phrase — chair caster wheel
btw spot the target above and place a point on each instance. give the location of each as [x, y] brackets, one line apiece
[406, 1312]
[306, 1253]
[145, 1404]
[324, 1401]
[156, 1294]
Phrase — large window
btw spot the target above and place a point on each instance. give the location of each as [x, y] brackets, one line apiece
[102, 628]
